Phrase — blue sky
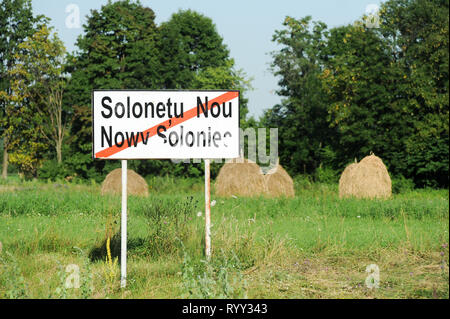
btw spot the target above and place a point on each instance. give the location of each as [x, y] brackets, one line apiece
[246, 27]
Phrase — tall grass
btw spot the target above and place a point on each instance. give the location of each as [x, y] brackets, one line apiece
[260, 246]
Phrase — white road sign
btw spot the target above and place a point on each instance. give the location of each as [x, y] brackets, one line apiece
[138, 124]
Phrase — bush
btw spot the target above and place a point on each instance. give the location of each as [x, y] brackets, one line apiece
[326, 175]
[400, 184]
[302, 182]
[53, 171]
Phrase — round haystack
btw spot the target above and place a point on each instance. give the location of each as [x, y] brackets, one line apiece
[346, 185]
[279, 183]
[241, 177]
[367, 179]
[136, 184]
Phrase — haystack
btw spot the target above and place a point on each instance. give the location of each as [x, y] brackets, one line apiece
[136, 184]
[279, 183]
[240, 178]
[243, 177]
[367, 179]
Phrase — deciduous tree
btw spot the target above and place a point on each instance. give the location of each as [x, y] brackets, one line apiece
[116, 51]
[16, 24]
[305, 138]
[40, 75]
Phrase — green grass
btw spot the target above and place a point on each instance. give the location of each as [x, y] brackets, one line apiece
[312, 246]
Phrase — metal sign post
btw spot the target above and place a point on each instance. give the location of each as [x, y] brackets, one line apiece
[123, 228]
[207, 210]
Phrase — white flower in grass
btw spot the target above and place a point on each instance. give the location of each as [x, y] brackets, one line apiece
[199, 214]
[213, 203]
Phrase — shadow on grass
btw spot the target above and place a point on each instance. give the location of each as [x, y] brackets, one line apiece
[100, 253]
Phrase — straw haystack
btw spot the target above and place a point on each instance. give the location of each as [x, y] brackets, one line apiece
[279, 183]
[367, 179]
[243, 177]
[240, 178]
[136, 184]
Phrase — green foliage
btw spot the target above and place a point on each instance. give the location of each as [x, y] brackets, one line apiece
[122, 48]
[17, 24]
[326, 175]
[51, 170]
[85, 280]
[116, 51]
[170, 224]
[286, 246]
[381, 90]
[220, 279]
[401, 184]
[36, 110]
[359, 95]
[11, 277]
[347, 91]
[193, 56]
[418, 32]
[189, 43]
[301, 118]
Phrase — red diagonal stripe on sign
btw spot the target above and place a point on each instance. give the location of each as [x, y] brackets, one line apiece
[107, 152]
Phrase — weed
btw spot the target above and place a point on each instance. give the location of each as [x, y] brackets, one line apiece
[314, 245]
[11, 277]
[217, 278]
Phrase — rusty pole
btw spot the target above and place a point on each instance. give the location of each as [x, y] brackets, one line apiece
[207, 209]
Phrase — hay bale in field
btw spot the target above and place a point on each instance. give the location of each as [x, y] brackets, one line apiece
[367, 179]
[240, 178]
[243, 177]
[136, 184]
[279, 183]
[346, 184]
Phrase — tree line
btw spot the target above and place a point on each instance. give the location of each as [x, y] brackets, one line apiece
[352, 90]
[45, 91]
[346, 91]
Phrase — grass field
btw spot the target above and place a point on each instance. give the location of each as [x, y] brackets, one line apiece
[312, 246]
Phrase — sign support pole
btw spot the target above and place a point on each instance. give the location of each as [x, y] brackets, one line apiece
[123, 242]
[207, 210]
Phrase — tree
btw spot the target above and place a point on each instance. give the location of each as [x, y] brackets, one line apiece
[388, 89]
[383, 90]
[39, 76]
[116, 51]
[16, 24]
[418, 32]
[26, 144]
[305, 137]
[226, 78]
[361, 81]
[189, 43]
[193, 56]
[122, 48]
